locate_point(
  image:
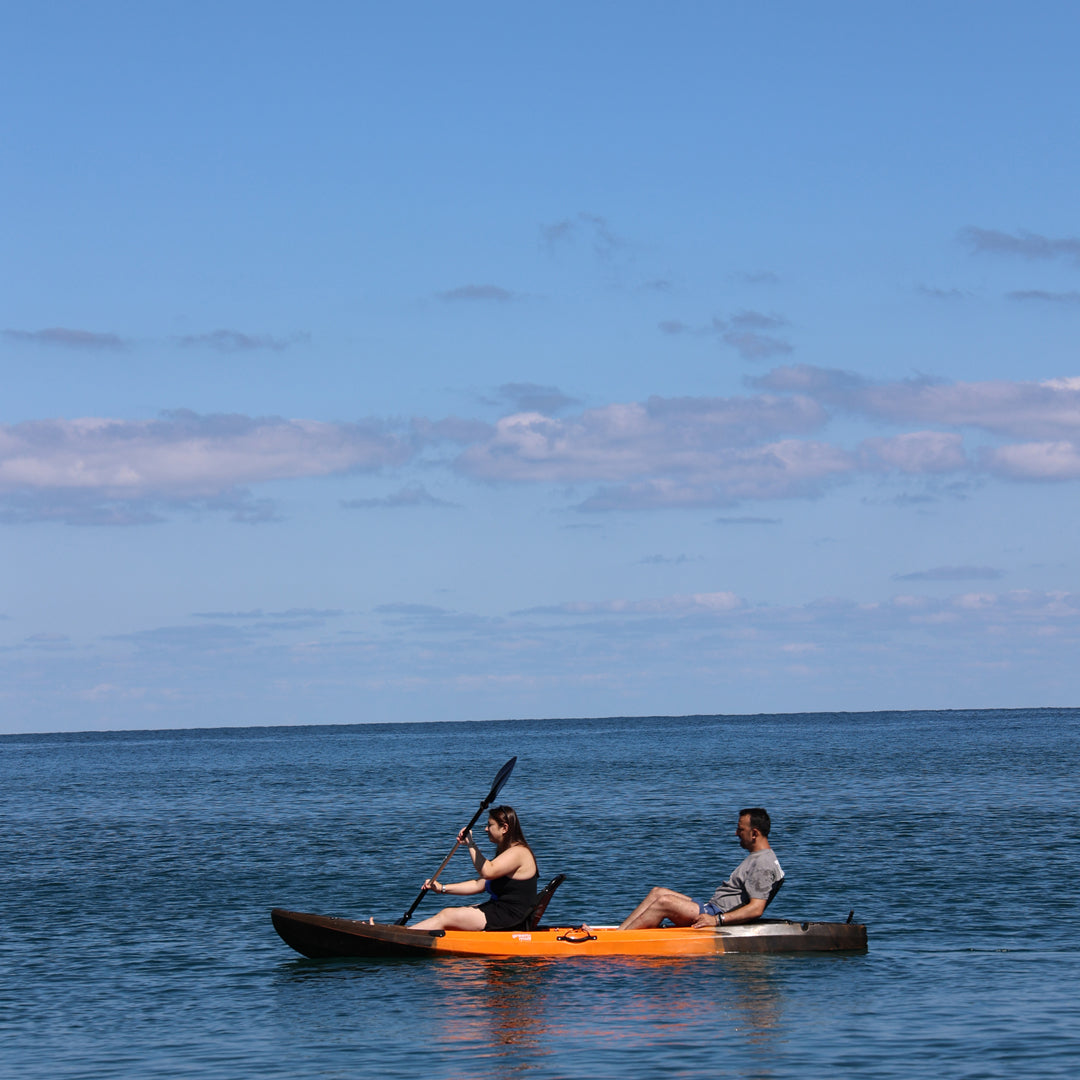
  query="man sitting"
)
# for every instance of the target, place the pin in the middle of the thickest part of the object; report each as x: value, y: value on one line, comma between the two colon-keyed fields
x: 742, y: 898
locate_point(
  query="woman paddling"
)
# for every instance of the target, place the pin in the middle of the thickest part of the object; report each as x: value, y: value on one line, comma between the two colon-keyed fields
x: 510, y: 878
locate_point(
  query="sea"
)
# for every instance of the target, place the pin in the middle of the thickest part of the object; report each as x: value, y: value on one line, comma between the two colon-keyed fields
x: 138, y: 870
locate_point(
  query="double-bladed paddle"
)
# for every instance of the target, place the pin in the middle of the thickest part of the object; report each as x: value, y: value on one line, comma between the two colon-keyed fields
x: 500, y: 779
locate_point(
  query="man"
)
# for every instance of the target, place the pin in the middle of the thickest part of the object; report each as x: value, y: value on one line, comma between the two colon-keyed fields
x: 742, y: 898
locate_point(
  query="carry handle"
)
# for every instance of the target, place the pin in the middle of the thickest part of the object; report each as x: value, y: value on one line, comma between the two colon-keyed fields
x: 576, y: 937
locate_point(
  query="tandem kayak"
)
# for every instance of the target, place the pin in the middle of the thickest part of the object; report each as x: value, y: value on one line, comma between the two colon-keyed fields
x: 323, y: 936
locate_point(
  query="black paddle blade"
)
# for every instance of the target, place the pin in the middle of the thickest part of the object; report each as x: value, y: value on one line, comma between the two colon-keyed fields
x: 500, y: 779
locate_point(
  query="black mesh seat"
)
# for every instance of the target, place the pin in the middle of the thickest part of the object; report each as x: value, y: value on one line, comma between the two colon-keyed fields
x: 542, y: 901
x: 773, y: 891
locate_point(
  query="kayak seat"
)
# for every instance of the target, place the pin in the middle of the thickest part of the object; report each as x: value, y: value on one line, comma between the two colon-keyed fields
x: 542, y: 901
x: 773, y: 891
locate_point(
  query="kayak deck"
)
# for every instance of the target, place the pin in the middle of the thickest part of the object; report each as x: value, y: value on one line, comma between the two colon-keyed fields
x: 324, y: 936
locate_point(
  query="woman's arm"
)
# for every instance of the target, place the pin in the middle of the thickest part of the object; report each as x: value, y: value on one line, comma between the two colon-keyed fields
x: 505, y: 865
x: 477, y: 856
x: 456, y: 888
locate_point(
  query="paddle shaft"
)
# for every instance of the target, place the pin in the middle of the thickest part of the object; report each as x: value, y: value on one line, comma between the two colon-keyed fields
x: 500, y: 779
x: 424, y: 891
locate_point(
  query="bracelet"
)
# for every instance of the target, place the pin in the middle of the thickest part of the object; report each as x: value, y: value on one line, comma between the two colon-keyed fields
x: 719, y: 918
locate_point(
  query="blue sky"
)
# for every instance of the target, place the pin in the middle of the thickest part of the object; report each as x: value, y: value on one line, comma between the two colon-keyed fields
x: 371, y: 363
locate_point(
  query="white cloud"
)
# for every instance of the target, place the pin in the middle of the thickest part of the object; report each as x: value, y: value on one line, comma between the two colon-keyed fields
x: 1019, y: 409
x: 673, y: 445
x: 916, y: 452
x: 412, y: 496
x: 593, y: 228
x: 183, y: 454
x: 691, y: 604
x: 1027, y: 245
x: 779, y: 470
x: 744, y: 332
x: 952, y: 573
x: 974, y: 614
x: 910, y: 650
x: 231, y: 341
x: 975, y: 601
x: 68, y: 338
x: 479, y: 292
x: 751, y: 345
x: 756, y: 320
x: 671, y: 452
x: 659, y: 453
x: 1034, y: 461
x: 1071, y: 297
x: 530, y: 397
x: 95, y: 471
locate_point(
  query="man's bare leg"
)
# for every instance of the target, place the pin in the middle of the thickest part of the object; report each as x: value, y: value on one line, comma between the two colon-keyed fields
x: 659, y: 905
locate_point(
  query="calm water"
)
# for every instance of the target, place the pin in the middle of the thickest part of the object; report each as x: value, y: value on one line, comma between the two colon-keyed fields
x: 139, y: 869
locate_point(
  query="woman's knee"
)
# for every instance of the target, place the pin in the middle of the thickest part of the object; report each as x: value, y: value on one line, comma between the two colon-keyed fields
x: 461, y: 918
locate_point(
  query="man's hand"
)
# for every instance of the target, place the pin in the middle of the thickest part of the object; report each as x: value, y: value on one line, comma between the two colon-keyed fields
x: 749, y: 911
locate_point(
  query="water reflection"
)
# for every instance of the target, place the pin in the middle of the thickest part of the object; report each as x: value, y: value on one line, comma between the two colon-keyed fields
x: 504, y: 1004
x: 548, y: 1006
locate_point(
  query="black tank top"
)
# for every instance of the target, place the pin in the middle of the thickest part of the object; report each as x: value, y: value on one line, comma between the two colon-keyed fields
x: 519, y: 894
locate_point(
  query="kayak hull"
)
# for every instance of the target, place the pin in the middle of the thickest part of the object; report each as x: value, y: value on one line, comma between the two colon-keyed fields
x: 324, y: 936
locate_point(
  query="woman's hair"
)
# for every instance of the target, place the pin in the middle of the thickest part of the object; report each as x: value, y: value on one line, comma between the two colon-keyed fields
x: 507, y: 817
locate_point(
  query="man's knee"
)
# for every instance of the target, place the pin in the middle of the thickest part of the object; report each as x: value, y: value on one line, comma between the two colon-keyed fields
x: 661, y: 895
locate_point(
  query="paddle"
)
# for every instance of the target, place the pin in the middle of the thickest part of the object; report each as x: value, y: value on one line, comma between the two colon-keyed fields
x: 500, y: 779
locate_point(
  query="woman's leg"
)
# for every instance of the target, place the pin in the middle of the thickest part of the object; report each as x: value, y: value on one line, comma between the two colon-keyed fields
x: 454, y: 918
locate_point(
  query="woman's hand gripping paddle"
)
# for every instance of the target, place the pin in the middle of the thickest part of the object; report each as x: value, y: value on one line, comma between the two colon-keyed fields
x: 496, y: 787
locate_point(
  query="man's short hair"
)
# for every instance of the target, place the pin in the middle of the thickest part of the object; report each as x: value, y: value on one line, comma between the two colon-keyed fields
x: 759, y: 819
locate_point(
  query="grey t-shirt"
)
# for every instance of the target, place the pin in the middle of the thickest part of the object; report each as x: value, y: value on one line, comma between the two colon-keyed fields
x: 754, y: 878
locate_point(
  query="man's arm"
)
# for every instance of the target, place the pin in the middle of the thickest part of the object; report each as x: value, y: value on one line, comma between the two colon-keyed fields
x: 754, y: 909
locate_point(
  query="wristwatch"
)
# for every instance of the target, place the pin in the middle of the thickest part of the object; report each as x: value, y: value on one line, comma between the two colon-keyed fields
x: 719, y: 918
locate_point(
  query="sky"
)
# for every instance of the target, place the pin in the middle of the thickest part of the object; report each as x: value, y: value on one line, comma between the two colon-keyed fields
x: 376, y: 363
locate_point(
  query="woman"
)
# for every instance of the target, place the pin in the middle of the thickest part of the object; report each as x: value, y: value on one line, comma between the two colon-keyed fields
x: 510, y: 878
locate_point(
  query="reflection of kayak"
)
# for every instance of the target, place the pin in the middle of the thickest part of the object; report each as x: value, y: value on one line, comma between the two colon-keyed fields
x: 320, y: 936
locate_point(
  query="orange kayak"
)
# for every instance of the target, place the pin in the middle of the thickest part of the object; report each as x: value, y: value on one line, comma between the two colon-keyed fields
x: 321, y: 936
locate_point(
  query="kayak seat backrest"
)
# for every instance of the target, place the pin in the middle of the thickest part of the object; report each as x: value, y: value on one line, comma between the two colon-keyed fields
x: 773, y: 891
x: 542, y: 901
